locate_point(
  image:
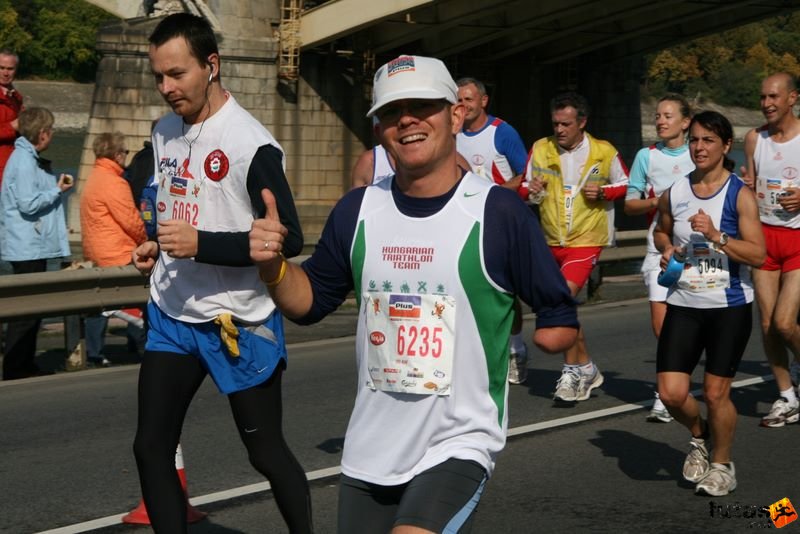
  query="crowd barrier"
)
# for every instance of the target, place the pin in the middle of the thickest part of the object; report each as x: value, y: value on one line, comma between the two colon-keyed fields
x: 95, y: 289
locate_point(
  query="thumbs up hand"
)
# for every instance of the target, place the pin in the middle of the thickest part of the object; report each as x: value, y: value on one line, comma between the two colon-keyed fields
x: 267, y: 235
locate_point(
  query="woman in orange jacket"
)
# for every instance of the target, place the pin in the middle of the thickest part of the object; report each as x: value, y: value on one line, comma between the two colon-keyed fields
x: 111, y: 226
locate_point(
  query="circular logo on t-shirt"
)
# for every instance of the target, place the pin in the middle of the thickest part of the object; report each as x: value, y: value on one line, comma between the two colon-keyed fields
x: 377, y: 338
x: 162, y: 207
x: 216, y: 165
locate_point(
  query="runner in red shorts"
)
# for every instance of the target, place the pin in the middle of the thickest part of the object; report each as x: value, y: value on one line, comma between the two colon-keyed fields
x: 575, y: 178
x: 773, y: 169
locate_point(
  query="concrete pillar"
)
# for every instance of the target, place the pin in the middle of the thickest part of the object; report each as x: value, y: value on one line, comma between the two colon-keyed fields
x: 315, y: 124
x: 124, y: 98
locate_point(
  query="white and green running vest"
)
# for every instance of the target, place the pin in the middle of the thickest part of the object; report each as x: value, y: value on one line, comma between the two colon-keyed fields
x: 432, y: 339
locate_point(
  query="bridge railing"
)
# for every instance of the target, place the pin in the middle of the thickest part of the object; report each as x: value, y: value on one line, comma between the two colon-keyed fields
x: 91, y: 290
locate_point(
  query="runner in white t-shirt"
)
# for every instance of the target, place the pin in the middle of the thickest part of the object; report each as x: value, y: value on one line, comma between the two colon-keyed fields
x: 654, y: 170
x: 495, y: 151
x: 435, y: 256
x: 773, y: 168
x: 712, y: 217
x: 209, y: 314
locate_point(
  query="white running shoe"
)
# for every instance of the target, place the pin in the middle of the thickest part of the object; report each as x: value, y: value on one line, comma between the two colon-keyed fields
x: 575, y: 386
x: 567, y: 385
x: 588, y: 383
x: 720, y: 480
x: 782, y: 413
x: 518, y: 366
x: 696, y: 464
x: 658, y: 413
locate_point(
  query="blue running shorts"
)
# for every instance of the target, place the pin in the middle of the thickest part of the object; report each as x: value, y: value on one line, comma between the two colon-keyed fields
x: 261, y: 348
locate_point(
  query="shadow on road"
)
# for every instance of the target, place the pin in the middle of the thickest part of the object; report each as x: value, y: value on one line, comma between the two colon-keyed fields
x: 640, y: 458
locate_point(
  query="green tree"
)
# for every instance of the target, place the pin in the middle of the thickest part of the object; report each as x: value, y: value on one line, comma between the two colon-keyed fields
x: 11, y: 33
x: 672, y: 72
x: 737, y: 84
x: 729, y: 66
x: 63, y: 34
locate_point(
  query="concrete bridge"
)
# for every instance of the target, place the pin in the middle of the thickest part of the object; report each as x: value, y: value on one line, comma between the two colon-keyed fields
x: 304, y: 67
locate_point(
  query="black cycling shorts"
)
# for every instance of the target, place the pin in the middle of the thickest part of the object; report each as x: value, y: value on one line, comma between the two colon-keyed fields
x: 722, y: 332
x: 442, y: 499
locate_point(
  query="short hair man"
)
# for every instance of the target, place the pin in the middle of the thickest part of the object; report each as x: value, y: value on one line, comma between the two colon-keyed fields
x: 580, y: 177
x: 435, y: 256
x: 772, y: 153
x: 495, y: 150
x: 208, y: 312
x: 492, y: 147
x: 10, y: 106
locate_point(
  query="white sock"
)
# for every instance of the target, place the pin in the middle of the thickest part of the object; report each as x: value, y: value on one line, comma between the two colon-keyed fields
x: 516, y: 344
x: 589, y: 369
x: 790, y: 396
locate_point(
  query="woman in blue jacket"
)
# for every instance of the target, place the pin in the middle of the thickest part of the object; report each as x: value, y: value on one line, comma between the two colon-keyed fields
x: 32, y: 226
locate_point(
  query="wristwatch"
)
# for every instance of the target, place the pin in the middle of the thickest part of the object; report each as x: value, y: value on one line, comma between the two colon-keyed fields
x: 723, y: 240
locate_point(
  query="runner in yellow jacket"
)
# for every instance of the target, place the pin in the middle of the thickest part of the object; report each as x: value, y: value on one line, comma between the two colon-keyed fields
x: 575, y: 178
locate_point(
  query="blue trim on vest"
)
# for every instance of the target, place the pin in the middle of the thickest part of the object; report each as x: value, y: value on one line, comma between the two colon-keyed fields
x: 490, y: 121
x: 729, y: 223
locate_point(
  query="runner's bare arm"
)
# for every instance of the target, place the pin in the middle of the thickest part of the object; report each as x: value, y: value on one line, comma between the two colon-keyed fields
x: 748, y: 172
x: 362, y: 171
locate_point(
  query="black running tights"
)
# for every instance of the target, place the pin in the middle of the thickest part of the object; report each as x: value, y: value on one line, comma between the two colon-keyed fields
x: 167, y: 383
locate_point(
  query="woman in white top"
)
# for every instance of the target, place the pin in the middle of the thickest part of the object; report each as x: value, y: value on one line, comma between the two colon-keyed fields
x: 712, y: 217
x: 654, y: 170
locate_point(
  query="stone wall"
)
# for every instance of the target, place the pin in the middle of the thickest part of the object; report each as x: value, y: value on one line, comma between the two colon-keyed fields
x: 124, y: 97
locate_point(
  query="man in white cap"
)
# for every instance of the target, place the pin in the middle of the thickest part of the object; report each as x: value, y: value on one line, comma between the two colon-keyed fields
x: 435, y: 278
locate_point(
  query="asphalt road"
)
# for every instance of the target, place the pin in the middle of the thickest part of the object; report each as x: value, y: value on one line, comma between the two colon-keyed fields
x: 65, y: 449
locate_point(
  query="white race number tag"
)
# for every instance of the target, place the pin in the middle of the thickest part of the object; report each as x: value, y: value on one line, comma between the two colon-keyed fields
x: 411, y: 342
x: 706, y: 269
x: 767, y: 191
x: 569, y: 200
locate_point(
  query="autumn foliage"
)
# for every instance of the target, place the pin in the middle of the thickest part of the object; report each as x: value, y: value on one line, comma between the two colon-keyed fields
x: 728, y: 67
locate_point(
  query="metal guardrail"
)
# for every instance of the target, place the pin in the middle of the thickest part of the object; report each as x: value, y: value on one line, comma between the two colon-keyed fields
x: 69, y: 292
x: 95, y: 289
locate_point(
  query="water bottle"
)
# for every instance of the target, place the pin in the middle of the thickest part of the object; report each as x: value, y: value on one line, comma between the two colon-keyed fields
x: 674, y: 269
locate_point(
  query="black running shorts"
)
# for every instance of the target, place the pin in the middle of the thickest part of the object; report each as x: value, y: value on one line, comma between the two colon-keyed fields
x: 441, y: 499
x: 722, y: 332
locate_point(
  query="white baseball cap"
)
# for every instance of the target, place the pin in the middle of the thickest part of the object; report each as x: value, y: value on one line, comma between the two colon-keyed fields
x: 412, y: 77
